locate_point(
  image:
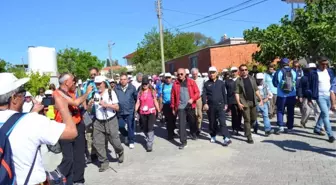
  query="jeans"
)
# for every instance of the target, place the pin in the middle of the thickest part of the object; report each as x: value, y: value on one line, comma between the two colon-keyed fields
x: 264, y: 111
x: 217, y: 112
x: 129, y: 120
x: 307, y: 110
x: 282, y: 103
x: 324, y: 104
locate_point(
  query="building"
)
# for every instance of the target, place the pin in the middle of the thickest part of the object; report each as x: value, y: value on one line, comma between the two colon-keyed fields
x: 221, y: 56
x: 106, y: 70
x: 129, y: 63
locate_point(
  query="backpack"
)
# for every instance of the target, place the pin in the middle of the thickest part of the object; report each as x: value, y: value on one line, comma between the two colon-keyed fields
x: 288, y: 81
x: 7, y: 171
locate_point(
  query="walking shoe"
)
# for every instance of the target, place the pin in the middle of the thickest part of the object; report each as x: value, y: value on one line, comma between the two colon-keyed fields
x: 255, y: 128
x: 121, y: 157
x: 331, y: 139
x: 131, y: 146
x: 289, y: 131
x: 267, y: 133
x: 193, y: 137
x: 149, y: 149
x: 280, y: 130
x: 213, y: 140
x: 320, y: 133
x: 104, y: 166
x: 182, y: 146
x: 227, y: 142
x: 235, y: 132
x: 250, y: 141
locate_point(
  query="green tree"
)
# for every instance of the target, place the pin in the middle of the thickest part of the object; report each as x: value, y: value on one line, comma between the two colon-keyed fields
x: 36, y: 81
x: 312, y: 33
x: 3, y: 66
x: 77, y: 62
x: 202, y: 41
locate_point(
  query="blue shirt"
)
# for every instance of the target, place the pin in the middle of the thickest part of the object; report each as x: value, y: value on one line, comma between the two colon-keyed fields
x: 166, y: 93
x: 158, y: 88
x: 280, y: 92
x: 333, y: 86
x: 268, y: 81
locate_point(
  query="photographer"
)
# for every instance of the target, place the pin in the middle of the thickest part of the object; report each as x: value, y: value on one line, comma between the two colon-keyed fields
x: 30, y: 131
x: 73, y: 162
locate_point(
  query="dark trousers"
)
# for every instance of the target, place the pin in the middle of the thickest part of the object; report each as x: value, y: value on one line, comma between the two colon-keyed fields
x: 237, y: 115
x: 289, y: 103
x: 73, y: 162
x: 250, y: 118
x: 170, y: 118
x: 214, y: 113
x: 147, y: 122
x: 184, y: 115
x: 129, y: 120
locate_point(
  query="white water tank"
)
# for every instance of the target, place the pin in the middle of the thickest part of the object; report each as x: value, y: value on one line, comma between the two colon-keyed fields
x: 42, y: 59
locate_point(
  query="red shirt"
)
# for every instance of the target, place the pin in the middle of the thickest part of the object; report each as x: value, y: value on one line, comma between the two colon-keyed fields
x: 175, y: 93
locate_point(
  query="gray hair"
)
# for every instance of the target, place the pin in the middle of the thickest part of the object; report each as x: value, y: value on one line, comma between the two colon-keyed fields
x: 139, y: 74
x: 4, y: 98
x: 194, y: 70
x: 63, y: 77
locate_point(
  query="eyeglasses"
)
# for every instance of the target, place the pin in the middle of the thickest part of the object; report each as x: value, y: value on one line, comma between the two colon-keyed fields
x: 243, y: 70
x: 180, y: 74
x: 234, y: 71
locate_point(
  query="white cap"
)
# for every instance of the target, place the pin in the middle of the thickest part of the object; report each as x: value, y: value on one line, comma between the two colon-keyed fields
x: 129, y: 76
x: 173, y: 77
x: 260, y: 76
x: 311, y: 65
x: 168, y: 75
x: 234, y: 69
x: 48, y: 92
x: 225, y: 70
x: 187, y: 71
x: 99, y: 79
x: 205, y: 74
x: 9, y: 82
x: 161, y: 75
x: 79, y: 82
x: 212, y: 69
x: 28, y: 94
x: 111, y: 80
x: 149, y: 77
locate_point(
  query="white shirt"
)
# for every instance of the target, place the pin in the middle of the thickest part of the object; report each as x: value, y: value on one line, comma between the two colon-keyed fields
x: 105, y: 113
x: 136, y: 84
x: 39, y: 98
x: 200, y: 83
x: 27, y: 106
x: 324, y: 83
x: 31, y: 131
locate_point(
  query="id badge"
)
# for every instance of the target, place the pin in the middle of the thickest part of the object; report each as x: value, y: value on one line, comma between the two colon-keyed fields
x: 145, y: 108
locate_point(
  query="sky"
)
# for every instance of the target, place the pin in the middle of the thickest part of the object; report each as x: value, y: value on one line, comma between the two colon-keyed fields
x: 89, y: 25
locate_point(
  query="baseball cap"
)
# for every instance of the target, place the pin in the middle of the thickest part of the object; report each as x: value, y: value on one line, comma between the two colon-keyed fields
x: 28, y: 94
x: 145, y: 79
x: 167, y: 75
x: 311, y: 65
x: 260, y: 76
x: 187, y: 71
x: 99, y: 79
x: 234, y: 69
x: 225, y: 70
x: 212, y: 69
x: 284, y: 60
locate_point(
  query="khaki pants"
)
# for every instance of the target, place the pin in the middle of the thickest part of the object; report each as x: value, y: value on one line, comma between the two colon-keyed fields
x: 199, y: 113
x: 250, y: 118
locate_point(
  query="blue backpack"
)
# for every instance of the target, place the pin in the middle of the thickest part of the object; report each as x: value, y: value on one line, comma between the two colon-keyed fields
x: 7, y: 171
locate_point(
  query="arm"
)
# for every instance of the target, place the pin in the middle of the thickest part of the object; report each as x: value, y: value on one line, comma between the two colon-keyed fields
x: 156, y: 104
x: 224, y: 93
x: 259, y: 96
x: 197, y: 94
x: 137, y: 105
x: 172, y: 102
x: 204, y: 99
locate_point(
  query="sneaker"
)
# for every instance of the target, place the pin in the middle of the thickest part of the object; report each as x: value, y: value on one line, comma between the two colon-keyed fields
x: 213, y: 140
x: 331, y: 139
x: 289, y: 131
x: 149, y: 149
x: 104, y: 166
x: 320, y: 133
x: 227, y: 142
x: 268, y: 133
x: 121, y: 157
x: 250, y: 141
x: 131, y: 146
x: 182, y: 146
x: 280, y: 130
x: 193, y: 137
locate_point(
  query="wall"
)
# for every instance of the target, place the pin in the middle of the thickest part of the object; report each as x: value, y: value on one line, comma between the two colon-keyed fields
x: 233, y: 55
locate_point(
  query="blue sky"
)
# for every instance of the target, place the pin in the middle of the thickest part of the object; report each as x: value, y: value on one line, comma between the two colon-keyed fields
x: 89, y: 25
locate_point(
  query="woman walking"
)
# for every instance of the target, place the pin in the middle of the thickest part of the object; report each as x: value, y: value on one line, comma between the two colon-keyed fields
x: 148, y: 107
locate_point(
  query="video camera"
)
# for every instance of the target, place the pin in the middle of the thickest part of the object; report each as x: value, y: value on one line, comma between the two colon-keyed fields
x: 48, y: 100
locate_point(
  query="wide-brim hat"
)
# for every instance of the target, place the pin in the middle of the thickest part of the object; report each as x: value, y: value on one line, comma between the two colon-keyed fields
x: 9, y: 82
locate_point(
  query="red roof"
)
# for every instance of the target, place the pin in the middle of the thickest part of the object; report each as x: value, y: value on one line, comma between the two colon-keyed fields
x: 129, y: 56
x: 113, y: 68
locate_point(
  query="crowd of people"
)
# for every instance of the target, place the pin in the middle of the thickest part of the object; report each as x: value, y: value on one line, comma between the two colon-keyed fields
x: 85, y: 116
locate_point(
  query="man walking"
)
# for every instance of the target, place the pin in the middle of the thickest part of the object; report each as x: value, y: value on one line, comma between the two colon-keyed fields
x: 236, y: 113
x: 127, y: 96
x: 166, y: 106
x: 215, y: 103
x: 138, y: 81
x: 200, y: 83
x: 247, y: 93
x: 268, y: 78
x: 285, y: 81
x: 184, y: 95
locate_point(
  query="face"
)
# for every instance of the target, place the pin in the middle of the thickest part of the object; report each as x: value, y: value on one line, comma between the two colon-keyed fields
x: 101, y: 86
x: 28, y: 99
x: 145, y: 86
x: 112, y: 84
x: 41, y: 91
x: 271, y: 70
x: 296, y: 65
x: 323, y: 65
x: 70, y: 83
x: 93, y: 74
x: 168, y: 80
x: 234, y: 73
x: 123, y: 80
x: 181, y: 74
x: 194, y: 74
x: 243, y: 71
x: 139, y: 78
x: 212, y: 75
x: 17, y: 101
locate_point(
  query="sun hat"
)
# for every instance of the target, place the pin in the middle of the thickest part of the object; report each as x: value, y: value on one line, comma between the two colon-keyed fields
x: 9, y: 82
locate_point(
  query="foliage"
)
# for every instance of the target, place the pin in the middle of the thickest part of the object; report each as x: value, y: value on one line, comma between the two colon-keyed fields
x: 77, y: 62
x: 36, y: 81
x: 312, y: 33
x: 3, y: 65
x: 147, y: 58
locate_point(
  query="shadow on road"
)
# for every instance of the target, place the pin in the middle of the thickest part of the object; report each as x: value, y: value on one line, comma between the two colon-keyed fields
x: 293, y: 146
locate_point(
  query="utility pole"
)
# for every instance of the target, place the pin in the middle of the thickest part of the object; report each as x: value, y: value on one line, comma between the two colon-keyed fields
x: 159, y: 15
x: 110, y: 56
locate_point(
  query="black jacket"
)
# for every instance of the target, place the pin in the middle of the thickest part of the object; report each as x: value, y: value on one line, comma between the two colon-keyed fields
x: 126, y: 99
x: 231, y: 91
x: 214, y: 93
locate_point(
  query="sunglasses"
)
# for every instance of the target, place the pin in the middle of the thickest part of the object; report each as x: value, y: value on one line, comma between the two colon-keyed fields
x: 234, y: 71
x: 243, y: 70
x: 180, y: 74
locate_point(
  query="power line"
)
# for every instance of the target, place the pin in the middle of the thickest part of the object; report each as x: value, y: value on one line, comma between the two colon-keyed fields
x: 237, y: 20
x: 208, y: 16
x: 223, y: 15
x: 167, y: 22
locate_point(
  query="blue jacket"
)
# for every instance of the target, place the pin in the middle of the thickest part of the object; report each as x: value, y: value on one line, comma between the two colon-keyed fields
x: 303, y: 86
x: 277, y: 79
x: 313, y: 91
x: 126, y: 99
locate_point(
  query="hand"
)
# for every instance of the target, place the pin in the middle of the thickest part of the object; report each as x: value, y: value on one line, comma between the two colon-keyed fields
x: 103, y: 104
x: 334, y: 107
x: 261, y: 103
x: 190, y: 101
x: 241, y: 106
x: 89, y: 89
x: 37, y: 107
x: 225, y: 107
x: 300, y: 99
x: 265, y: 100
x: 174, y: 112
x: 205, y: 107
